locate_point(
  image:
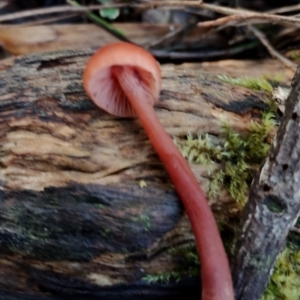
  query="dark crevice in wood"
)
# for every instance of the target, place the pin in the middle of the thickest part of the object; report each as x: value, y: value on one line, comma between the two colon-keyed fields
x: 266, y: 188
x: 294, y: 116
x: 45, y: 64
x: 64, y: 288
x: 274, y: 204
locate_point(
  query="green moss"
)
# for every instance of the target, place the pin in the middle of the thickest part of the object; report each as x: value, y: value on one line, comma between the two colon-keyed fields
x: 238, y: 156
x: 284, y: 284
x: 186, y: 259
x: 258, y: 84
x: 186, y: 265
x: 105, y: 232
x: 144, y: 221
x: 36, y: 226
x: 272, y: 105
x: 163, y: 277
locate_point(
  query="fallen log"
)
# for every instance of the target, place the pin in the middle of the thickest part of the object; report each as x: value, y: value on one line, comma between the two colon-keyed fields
x: 76, y: 217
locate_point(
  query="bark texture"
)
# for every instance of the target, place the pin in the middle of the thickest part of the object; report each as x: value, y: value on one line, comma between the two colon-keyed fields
x: 272, y: 208
x: 74, y: 220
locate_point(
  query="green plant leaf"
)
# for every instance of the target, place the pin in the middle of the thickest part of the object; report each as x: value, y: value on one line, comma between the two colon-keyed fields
x: 259, y: 84
x: 109, y: 13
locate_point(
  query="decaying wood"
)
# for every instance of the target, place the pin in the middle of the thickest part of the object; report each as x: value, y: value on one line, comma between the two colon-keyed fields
x: 273, y: 206
x: 74, y: 220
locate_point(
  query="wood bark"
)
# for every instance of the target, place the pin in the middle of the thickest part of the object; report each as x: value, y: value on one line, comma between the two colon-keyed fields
x: 74, y: 220
x: 273, y: 206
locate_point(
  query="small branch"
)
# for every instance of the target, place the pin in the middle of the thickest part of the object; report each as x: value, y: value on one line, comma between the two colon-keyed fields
x: 2, y: 5
x: 228, y: 20
x: 273, y: 52
x: 178, y: 33
x: 240, y: 15
x: 101, y: 22
x: 285, y: 9
x: 232, y: 20
x: 244, y: 14
x: 166, y: 37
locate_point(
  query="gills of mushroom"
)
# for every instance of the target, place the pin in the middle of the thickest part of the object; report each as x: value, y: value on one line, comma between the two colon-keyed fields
x: 124, y: 80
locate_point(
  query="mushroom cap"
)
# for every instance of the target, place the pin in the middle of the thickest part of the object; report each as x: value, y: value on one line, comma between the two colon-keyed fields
x: 102, y: 86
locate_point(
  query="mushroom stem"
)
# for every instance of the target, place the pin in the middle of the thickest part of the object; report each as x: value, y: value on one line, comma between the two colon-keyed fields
x: 215, y: 274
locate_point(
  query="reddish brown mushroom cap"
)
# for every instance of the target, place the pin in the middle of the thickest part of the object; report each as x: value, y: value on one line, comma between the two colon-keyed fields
x: 100, y: 76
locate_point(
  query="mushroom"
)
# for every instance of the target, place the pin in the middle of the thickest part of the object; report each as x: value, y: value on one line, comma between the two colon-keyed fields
x: 124, y: 80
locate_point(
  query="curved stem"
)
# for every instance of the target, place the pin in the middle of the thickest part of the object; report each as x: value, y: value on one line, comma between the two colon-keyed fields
x: 216, y: 275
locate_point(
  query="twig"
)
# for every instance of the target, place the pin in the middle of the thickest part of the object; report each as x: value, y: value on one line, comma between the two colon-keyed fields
x: 222, y: 21
x: 271, y: 49
x: 246, y: 14
x: 178, y: 33
x: 2, y: 5
x: 233, y: 20
x: 101, y: 22
x: 285, y: 9
x: 292, y: 21
x: 166, y: 37
x: 239, y: 15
